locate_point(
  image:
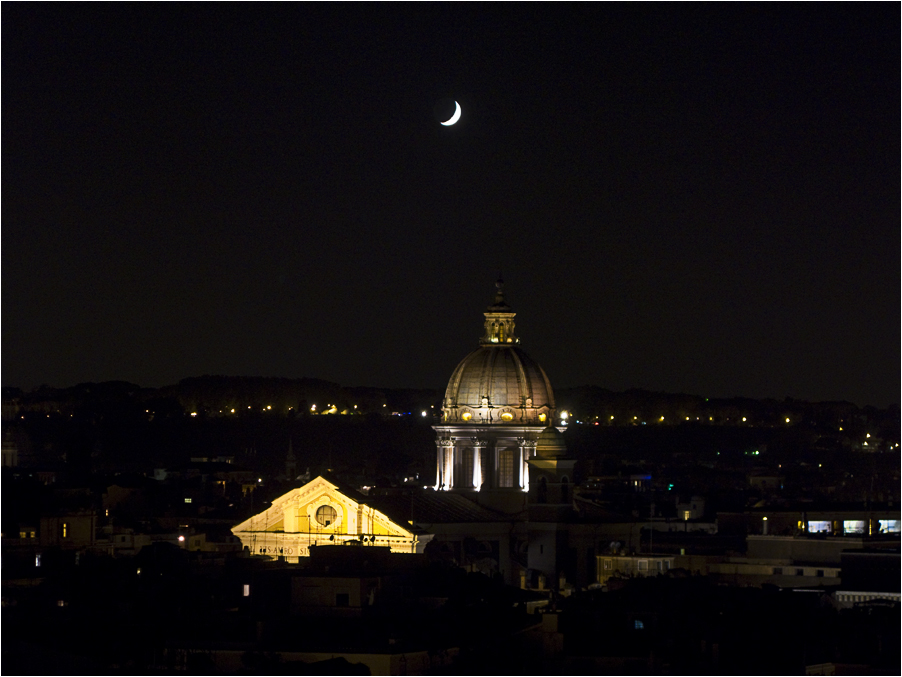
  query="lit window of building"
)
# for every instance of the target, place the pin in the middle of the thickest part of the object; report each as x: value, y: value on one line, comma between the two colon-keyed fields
x: 854, y: 526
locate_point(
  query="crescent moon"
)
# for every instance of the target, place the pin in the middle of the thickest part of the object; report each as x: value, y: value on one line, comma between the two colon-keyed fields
x: 454, y: 118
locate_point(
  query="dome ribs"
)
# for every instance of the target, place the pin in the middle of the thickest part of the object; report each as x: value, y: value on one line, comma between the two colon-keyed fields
x: 523, y: 379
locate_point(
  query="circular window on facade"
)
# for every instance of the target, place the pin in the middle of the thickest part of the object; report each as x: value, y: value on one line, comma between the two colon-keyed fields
x: 466, y: 416
x: 325, y: 515
x: 507, y: 416
x: 542, y: 417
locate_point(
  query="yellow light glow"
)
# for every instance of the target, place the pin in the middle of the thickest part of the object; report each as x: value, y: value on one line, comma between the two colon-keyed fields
x: 743, y: 418
x: 542, y: 417
x: 506, y: 416
x: 233, y: 411
x: 764, y: 518
x: 466, y: 416
x: 269, y: 406
x: 787, y: 419
x: 565, y: 415
x: 868, y: 435
x: 612, y: 418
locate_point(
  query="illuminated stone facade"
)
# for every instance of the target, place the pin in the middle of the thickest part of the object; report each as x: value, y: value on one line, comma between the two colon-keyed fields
x: 321, y: 513
x: 497, y: 402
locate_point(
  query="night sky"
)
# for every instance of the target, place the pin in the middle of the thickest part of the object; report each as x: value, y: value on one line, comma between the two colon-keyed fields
x: 685, y: 198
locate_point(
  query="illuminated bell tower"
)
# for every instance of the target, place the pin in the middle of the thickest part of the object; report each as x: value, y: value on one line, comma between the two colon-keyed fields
x: 497, y: 402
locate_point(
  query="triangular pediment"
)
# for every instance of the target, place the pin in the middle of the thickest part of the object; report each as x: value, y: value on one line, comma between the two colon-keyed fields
x: 320, y: 507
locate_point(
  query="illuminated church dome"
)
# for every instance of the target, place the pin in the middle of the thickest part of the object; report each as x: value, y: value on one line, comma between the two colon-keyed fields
x: 498, y: 383
x: 497, y: 403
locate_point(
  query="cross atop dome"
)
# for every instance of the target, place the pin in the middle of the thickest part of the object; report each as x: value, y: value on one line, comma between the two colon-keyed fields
x: 499, y: 321
x: 500, y: 305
